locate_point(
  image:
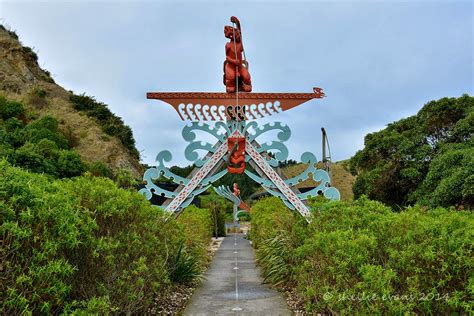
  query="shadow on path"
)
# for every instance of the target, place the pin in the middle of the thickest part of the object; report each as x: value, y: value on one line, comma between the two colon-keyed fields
x: 229, y: 291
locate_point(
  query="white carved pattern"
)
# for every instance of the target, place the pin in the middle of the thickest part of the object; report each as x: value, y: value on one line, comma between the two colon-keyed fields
x: 277, y: 180
x: 213, y: 112
x: 200, y: 175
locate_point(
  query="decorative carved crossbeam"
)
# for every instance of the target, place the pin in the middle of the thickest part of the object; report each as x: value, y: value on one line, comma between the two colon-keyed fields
x: 215, y: 106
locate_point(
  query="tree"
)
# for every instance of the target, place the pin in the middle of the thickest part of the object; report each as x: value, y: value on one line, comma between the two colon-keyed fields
x: 396, y: 160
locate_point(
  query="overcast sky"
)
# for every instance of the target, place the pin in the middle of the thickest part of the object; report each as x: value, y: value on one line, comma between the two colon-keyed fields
x: 377, y: 61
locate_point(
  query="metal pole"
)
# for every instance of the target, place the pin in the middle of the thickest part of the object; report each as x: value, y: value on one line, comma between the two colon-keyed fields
x: 324, y: 145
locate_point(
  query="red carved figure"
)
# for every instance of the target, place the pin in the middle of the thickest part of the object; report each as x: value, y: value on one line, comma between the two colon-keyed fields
x: 236, y: 160
x: 236, y: 190
x: 234, y: 65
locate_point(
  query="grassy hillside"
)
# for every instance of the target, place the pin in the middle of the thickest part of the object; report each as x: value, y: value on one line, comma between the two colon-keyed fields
x: 93, y: 131
x: 342, y: 179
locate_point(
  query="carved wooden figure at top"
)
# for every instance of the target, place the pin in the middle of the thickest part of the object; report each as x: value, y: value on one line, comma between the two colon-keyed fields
x: 234, y: 65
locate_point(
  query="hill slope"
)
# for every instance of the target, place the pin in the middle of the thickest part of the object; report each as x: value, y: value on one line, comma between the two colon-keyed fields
x: 23, y: 80
x: 341, y: 178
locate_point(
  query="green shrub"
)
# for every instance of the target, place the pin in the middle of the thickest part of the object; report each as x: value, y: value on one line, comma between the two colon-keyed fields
x: 184, y: 266
x: 270, y: 217
x: 110, y: 123
x: 38, y: 146
x: 30, y: 52
x: 197, y: 226
x: 9, y: 109
x: 39, y: 223
x: 276, y: 232
x: 125, y: 179
x: 245, y: 217
x: 363, y: 258
x: 46, y: 128
x: 100, y: 169
x: 69, y: 164
x: 218, y: 207
x: 450, y: 180
x: 82, y: 246
x: 401, y: 164
x: 127, y: 259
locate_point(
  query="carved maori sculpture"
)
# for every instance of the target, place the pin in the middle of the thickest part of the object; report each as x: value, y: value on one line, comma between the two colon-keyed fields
x: 236, y: 158
x: 236, y: 139
x: 234, y: 64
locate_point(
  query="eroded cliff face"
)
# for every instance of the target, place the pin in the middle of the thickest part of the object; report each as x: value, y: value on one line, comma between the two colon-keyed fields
x: 22, y: 79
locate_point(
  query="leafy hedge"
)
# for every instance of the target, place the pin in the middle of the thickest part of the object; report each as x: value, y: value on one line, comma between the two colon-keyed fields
x: 111, y: 124
x: 363, y: 258
x: 218, y: 207
x: 197, y: 226
x: 84, y: 245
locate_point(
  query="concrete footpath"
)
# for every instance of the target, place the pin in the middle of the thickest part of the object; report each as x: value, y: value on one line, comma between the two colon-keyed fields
x: 233, y: 285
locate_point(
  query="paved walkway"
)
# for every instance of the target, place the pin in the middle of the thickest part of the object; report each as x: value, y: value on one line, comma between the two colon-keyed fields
x: 230, y: 291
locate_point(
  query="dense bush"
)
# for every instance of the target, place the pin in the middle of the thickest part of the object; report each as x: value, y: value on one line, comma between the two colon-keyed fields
x: 9, y: 109
x: 110, y: 123
x: 244, y: 217
x: 100, y: 169
x: 402, y: 164
x: 275, y: 233
x: 86, y: 246
x: 450, y: 179
x: 197, y: 226
x: 38, y: 145
x: 218, y: 207
x: 362, y: 258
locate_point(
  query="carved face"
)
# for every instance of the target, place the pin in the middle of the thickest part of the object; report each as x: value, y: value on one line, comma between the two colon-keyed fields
x: 229, y: 32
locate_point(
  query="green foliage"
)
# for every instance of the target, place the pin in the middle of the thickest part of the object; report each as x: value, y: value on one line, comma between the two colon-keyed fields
x: 69, y: 164
x: 184, y: 266
x: 100, y: 169
x: 125, y: 179
x: 84, y: 246
x: 40, y: 92
x: 450, y: 179
x: 363, y: 258
x: 110, y: 123
x: 37, y: 98
x: 9, y: 109
x: 188, y: 262
x: 395, y: 163
x: 273, y: 257
x: 39, y: 223
x: 30, y: 52
x: 275, y: 233
x: 38, y: 146
x: 182, y: 172
x: 126, y: 259
x: 46, y: 128
x: 246, y: 185
x: 269, y: 219
x: 218, y: 207
x: 245, y: 217
x: 197, y: 227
